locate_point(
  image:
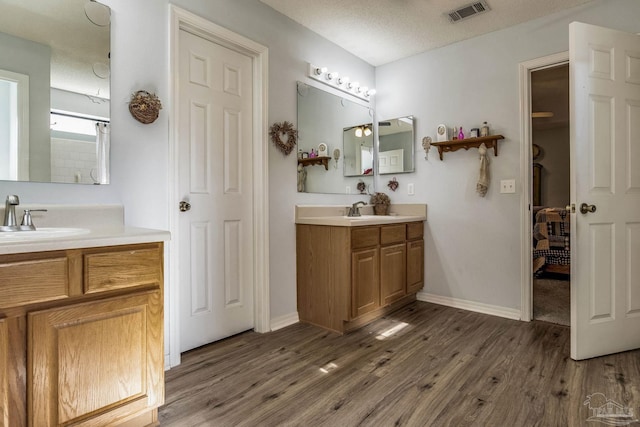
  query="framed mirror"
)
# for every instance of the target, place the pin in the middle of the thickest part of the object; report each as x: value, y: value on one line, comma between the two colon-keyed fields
x: 54, y: 91
x: 323, y: 119
x: 396, y: 145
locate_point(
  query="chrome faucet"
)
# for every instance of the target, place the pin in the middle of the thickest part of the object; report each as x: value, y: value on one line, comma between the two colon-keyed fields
x: 10, y: 211
x: 10, y: 222
x: 354, y: 210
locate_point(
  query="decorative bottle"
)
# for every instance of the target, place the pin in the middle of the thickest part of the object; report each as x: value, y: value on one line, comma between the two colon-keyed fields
x: 484, y: 130
x: 313, y: 154
x: 455, y: 133
x: 461, y: 134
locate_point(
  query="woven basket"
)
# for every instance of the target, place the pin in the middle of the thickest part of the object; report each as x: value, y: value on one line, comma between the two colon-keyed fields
x: 145, y: 107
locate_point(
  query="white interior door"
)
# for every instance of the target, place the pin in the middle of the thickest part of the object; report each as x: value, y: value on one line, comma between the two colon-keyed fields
x: 605, y: 163
x: 215, y: 174
x: 391, y: 161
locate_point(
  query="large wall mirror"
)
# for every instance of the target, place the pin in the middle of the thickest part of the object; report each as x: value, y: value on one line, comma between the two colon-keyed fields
x: 54, y: 91
x: 324, y: 118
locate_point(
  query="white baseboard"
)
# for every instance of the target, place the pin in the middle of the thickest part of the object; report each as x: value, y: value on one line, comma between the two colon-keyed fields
x: 284, y: 321
x: 494, y: 310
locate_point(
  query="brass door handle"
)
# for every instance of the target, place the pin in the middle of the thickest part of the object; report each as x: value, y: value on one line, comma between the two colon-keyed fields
x: 585, y: 208
x: 184, y: 206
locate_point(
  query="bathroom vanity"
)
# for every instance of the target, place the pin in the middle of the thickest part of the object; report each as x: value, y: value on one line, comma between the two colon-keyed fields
x: 352, y: 270
x: 81, y: 327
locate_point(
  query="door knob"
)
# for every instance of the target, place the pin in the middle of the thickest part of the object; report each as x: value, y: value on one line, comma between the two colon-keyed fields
x: 571, y: 208
x: 184, y: 206
x: 585, y: 208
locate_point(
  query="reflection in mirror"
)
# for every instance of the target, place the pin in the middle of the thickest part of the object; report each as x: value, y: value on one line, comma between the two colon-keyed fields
x: 358, y: 150
x: 396, y: 145
x: 54, y: 91
x: 322, y: 118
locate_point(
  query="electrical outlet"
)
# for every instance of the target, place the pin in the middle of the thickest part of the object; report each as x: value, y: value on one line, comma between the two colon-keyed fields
x: 508, y: 186
x: 410, y: 189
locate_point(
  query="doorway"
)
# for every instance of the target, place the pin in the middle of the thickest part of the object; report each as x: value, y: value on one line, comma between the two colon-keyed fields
x: 550, y: 194
x: 256, y: 208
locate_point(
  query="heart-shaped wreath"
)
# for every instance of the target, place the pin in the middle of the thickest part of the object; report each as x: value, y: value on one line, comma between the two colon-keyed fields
x: 285, y: 128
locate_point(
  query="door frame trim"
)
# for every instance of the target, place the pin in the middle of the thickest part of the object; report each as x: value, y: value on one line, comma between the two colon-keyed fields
x: 181, y: 19
x: 526, y: 223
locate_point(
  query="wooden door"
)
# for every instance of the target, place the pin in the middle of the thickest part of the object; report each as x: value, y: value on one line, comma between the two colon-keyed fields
x: 365, y: 283
x: 216, y: 179
x: 415, y: 266
x: 605, y: 174
x: 393, y: 273
x: 96, y: 363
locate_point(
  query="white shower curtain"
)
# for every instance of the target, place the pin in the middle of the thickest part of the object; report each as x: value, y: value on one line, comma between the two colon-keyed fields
x: 102, y: 151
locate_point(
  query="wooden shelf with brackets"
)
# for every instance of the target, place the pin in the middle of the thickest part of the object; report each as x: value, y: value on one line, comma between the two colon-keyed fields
x: 320, y: 160
x: 490, y: 141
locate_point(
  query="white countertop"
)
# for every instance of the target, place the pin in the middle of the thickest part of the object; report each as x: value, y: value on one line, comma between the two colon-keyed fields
x: 95, y: 237
x: 100, y: 225
x: 335, y: 215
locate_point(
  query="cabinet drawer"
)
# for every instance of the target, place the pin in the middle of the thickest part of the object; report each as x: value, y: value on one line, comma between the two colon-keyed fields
x: 122, y: 268
x: 415, y: 230
x: 30, y: 281
x: 363, y: 237
x: 392, y: 234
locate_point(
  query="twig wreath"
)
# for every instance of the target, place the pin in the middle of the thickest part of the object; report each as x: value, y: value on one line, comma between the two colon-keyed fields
x: 285, y: 128
x: 145, y: 106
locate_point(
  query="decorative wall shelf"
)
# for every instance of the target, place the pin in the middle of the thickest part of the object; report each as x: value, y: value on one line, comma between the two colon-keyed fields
x: 321, y: 160
x: 490, y: 141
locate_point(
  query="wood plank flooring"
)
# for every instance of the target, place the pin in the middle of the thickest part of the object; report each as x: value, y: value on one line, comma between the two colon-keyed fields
x: 424, y: 365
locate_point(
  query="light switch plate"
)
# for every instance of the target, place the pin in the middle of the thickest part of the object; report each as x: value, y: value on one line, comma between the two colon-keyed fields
x: 411, y: 189
x: 508, y: 186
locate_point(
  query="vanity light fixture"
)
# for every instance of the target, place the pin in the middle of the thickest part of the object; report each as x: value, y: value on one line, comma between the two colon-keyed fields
x: 333, y: 79
x: 318, y: 71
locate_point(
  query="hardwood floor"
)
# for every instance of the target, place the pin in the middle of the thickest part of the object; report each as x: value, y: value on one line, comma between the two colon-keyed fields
x: 424, y: 365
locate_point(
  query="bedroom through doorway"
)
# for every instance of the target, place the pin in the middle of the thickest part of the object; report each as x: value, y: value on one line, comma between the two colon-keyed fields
x: 550, y: 180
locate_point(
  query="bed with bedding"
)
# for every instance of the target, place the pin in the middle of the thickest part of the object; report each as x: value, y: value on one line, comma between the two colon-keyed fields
x: 551, y: 241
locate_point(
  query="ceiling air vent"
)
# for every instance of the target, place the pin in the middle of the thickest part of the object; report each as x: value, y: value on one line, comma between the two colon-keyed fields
x: 468, y: 11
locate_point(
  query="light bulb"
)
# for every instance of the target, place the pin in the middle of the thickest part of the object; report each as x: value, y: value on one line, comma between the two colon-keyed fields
x: 353, y: 85
x: 343, y: 80
x: 370, y: 92
x: 320, y: 70
x: 367, y: 131
x: 332, y: 75
x: 359, y: 132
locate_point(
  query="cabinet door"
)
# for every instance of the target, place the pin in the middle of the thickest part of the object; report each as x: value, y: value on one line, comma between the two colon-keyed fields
x: 96, y: 363
x: 4, y: 373
x: 365, y: 284
x: 393, y: 279
x: 415, y: 266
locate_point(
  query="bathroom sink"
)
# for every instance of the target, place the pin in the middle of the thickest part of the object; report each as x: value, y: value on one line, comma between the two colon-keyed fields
x: 372, y: 217
x: 41, y: 233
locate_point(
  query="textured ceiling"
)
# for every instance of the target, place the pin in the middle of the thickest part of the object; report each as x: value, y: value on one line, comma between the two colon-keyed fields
x: 382, y: 31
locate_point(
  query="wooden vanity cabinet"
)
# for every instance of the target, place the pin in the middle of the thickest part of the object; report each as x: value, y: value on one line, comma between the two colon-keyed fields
x: 87, y: 350
x: 349, y: 276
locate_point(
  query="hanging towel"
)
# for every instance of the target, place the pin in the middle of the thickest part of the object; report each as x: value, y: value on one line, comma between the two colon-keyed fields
x: 483, y: 180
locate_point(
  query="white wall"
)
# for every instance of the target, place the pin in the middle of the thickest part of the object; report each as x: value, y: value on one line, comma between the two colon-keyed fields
x: 139, y: 156
x: 473, y: 243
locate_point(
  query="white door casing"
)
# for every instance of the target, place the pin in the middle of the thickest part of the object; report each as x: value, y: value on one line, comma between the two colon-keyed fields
x: 526, y: 223
x: 605, y: 172
x: 257, y: 163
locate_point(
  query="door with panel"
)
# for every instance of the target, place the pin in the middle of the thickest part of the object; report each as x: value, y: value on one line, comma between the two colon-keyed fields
x: 393, y: 273
x: 215, y: 174
x: 605, y: 190
x: 365, y: 281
